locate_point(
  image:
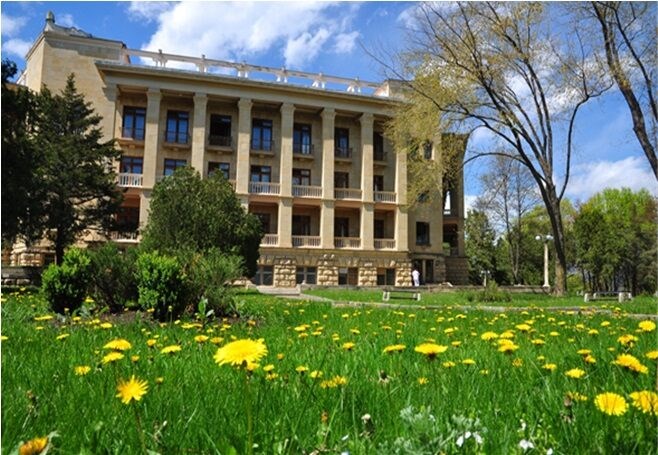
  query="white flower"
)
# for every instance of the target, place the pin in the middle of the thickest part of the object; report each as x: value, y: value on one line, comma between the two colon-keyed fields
x: 525, y: 445
x: 549, y: 452
x: 478, y: 438
x: 460, y: 441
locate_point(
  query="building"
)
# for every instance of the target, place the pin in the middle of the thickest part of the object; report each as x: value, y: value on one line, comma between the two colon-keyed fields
x: 305, y: 152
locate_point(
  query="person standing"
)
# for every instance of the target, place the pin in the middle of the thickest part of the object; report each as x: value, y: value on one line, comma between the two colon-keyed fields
x: 415, y: 275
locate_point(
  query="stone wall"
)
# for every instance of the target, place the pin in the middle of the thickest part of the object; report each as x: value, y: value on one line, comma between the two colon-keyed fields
x: 327, y: 270
x: 403, y: 274
x: 457, y: 269
x: 367, y: 274
x: 284, y: 273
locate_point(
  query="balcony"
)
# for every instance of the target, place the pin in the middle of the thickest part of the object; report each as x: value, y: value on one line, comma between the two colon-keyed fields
x: 179, y: 140
x: 347, y: 242
x: 224, y: 142
x: 385, y: 196
x: 384, y: 244
x: 264, y: 188
x: 270, y: 240
x: 125, y: 237
x: 347, y: 193
x: 306, y: 241
x: 262, y: 148
x: 130, y: 180
x: 307, y: 191
x: 304, y: 151
x: 343, y: 153
x: 380, y: 158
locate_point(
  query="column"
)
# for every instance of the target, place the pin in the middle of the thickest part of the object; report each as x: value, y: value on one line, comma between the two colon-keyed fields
x: 367, y: 226
x: 285, y: 163
x: 401, y: 217
x: 327, y: 224
x: 199, y: 133
x: 401, y: 228
x: 327, y: 210
x: 244, y: 146
x: 458, y: 198
x: 366, y: 157
x: 110, y: 122
x: 144, y: 206
x: 285, y: 222
x: 152, y: 137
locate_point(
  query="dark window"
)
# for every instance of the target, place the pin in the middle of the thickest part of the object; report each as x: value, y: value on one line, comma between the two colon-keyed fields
x: 171, y: 165
x: 427, y: 150
x: 301, y: 139
x: 422, y: 233
x: 178, y: 123
x: 261, y: 173
x: 349, y: 275
x: 127, y: 219
x: 342, y: 142
x: 341, y: 227
x: 378, y: 182
x: 264, y: 275
x: 429, y: 271
x: 131, y: 164
x: 224, y: 168
x: 264, y: 219
x: 385, y: 277
x: 301, y: 177
x: 378, y: 146
x: 261, y: 134
x: 220, y: 130
x: 134, y: 120
x: 341, y: 180
x: 379, y: 229
x: 301, y: 225
x: 306, y: 275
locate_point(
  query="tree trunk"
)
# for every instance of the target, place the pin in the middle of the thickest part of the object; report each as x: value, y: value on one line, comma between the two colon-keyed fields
x: 59, y: 249
x: 555, y: 216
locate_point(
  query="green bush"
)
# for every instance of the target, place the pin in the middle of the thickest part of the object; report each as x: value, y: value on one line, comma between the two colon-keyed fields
x: 162, y: 285
x: 113, y: 283
x: 65, y: 286
x: 490, y: 294
x: 210, y: 278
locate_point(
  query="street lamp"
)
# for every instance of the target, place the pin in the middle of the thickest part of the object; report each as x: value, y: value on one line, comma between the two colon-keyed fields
x: 485, y: 274
x: 545, y: 238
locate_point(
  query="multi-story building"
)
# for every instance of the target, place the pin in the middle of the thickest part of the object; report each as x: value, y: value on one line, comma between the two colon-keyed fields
x: 306, y: 153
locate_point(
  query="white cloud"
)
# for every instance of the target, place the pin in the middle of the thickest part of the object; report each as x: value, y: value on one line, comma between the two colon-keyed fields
x: 297, y: 31
x: 147, y: 11
x: 16, y: 46
x: 469, y: 200
x: 12, y: 25
x: 65, y: 20
x: 590, y: 178
x: 345, y: 42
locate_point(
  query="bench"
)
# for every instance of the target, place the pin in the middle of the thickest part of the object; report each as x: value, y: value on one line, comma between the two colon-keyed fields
x: 389, y: 293
x: 619, y: 296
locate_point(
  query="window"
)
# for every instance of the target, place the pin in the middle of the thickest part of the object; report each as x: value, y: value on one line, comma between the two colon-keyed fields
x: 220, y: 130
x: 261, y: 134
x: 134, y: 120
x: 178, y: 123
x: 379, y: 229
x: 306, y: 275
x: 341, y: 180
x: 378, y: 146
x: 131, y: 164
x: 264, y: 276
x: 171, y: 165
x: 341, y: 227
x: 348, y: 275
x: 127, y: 219
x: 261, y: 174
x: 301, y: 177
x: 301, y: 139
x: 342, y: 142
x: 422, y: 233
x: 427, y: 150
x: 301, y: 225
x: 385, y: 277
x: 264, y: 219
x: 429, y: 271
x: 378, y: 182
x: 224, y: 168
x: 447, y: 203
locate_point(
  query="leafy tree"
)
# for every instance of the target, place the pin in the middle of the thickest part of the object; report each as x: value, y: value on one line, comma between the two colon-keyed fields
x: 79, y: 184
x: 188, y: 213
x: 480, y: 238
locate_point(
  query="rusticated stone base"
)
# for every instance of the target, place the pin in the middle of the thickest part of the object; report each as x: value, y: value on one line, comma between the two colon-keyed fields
x: 367, y: 274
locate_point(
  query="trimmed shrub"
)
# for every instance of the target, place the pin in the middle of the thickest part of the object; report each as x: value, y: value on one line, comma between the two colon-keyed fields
x: 210, y: 277
x: 490, y: 294
x: 162, y: 285
x: 65, y: 285
x: 113, y: 282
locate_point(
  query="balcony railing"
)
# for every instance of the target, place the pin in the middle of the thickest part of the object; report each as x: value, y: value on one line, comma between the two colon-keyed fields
x: 343, y: 152
x: 270, y: 240
x: 347, y: 193
x: 302, y: 149
x: 384, y: 196
x: 131, y: 180
x: 347, y: 242
x: 379, y: 156
x: 136, y: 134
x: 177, y: 138
x: 131, y: 236
x: 306, y: 241
x: 262, y: 145
x: 220, y: 141
x: 263, y: 188
x: 384, y: 244
x: 306, y: 191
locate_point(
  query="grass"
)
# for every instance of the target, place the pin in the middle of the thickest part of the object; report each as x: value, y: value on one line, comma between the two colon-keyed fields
x: 200, y: 407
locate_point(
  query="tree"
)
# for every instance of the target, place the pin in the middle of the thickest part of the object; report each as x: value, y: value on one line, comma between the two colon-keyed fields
x: 77, y: 177
x: 191, y: 214
x: 480, y: 242
x: 502, y: 68
x: 628, y: 30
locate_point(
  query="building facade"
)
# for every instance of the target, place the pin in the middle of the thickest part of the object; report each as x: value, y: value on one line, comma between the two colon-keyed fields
x: 306, y: 153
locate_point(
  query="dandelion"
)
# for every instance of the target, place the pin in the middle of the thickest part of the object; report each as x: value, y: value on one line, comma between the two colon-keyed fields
x: 238, y: 352
x: 132, y: 389
x: 106, y: 325
x: 584, y: 351
x: 538, y: 342
x: 348, y: 346
x: 315, y: 374
x: 468, y: 362
x: 47, y: 317
x: 134, y: 358
x: 394, y: 348
x: 518, y: 363
x: 150, y: 343
x: 423, y: 380
x: 217, y: 340
x: 646, y: 401
x: 448, y: 364
x: 301, y: 369
x: 575, y: 396
x: 651, y: 355
x: 33, y: 446
x: 201, y: 338
x: 159, y: 380
x: 549, y: 367
x: 3, y: 338
x: 118, y: 345
x: 575, y: 373
x: 112, y: 357
x: 647, y: 326
x: 523, y: 327
x: 82, y: 370
x: 627, y: 340
x: 267, y: 368
x: 430, y: 350
x: 170, y: 349
x: 63, y: 336
x: 611, y: 403
x: 592, y: 332
x: 631, y: 363
x: 488, y: 336
x: 507, y: 348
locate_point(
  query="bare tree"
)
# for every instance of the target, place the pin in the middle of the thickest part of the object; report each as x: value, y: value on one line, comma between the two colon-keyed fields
x: 506, y: 68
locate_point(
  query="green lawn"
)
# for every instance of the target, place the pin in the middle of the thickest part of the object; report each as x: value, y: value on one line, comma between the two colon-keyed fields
x: 415, y: 404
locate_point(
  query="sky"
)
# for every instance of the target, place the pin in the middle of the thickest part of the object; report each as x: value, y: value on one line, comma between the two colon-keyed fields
x: 332, y: 38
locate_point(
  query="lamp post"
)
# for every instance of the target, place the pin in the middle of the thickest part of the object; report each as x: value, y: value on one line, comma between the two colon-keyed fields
x: 545, y: 238
x: 485, y: 274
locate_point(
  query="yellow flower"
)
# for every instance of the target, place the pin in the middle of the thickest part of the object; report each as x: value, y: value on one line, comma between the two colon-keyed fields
x: 216, y: 340
x: 394, y: 348
x: 3, y: 338
x: 170, y: 349
x: 106, y: 325
x: 159, y: 380
x: 201, y: 338
x: 334, y: 382
x: 150, y: 343
x: 47, y: 317
x: 538, y: 342
x: 456, y: 344
x: 508, y: 348
x: 118, y: 345
x: 134, y: 358
x: 280, y: 356
x: 605, y: 323
x: 631, y: 363
x: 647, y: 326
x: 575, y: 373
x: 592, y: 332
x: 575, y: 396
x: 315, y: 374
x: 133, y: 389
x: 423, y: 380
x: 487, y: 336
x: 112, y: 357
x: 430, y: 349
x: 448, y: 364
x: 82, y: 370
x: 267, y: 368
x: 627, y: 340
x: 33, y: 446
x: 468, y: 362
x: 301, y: 369
x: 651, y: 355
x: 549, y: 366
x: 240, y: 351
x: 646, y: 401
x: 518, y: 363
x: 348, y: 346
x: 63, y: 336
x: 590, y: 359
x: 523, y: 327
x: 611, y: 403
x: 584, y: 351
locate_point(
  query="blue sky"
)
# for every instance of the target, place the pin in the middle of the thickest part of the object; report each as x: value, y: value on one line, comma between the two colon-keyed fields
x: 317, y: 37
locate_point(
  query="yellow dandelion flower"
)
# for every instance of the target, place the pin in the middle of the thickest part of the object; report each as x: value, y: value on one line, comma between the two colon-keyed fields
x: 507, y: 348
x: 646, y: 401
x: 150, y: 343
x: 647, y: 326
x: 549, y: 366
x: 448, y: 364
x: 132, y: 389
x: 3, y: 338
x: 394, y: 348
x: 348, y: 346
x: 47, y: 317
x: 651, y: 355
x: 355, y: 331
x: 201, y: 338
x: 106, y: 325
x: 575, y: 373
x: 271, y: 376
x: 590, y: 358
x: 240, y: 351
x: 280, y: 356
x: 118, y: 345
x: 217, y: 340
x: 592, y: 332
x: 112, y: 357
x: 518, y: 363
x: 584, y: 351
x: 82, y: 370
x: 302, y: 335
x: 484, y: 372
x: 63, y: 336
x: 159, y: 380
x: 430, y: 350
x: 523, y: 327
x: 575, y: 396
x: 267, y: 368
x: 315, y: 374
x: 33, y: 446
x: 134, y: 358
x: 423, y: 380
x: 488, y: 336
x: 468, y: 362
x: 611, y: 403
x: 456, y: 344
x: 631, y: 363
x: 301, y: 369
x: 538, y: 342
x: 170, y: 349
x: 301, y: 328
x: 627, y: 340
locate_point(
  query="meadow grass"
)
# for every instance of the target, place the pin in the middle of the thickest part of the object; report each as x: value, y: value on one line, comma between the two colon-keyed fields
x: 194, y: 405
